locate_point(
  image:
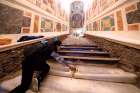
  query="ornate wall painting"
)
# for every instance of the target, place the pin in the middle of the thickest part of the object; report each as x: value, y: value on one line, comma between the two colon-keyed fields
x: 119, y: 20
x: 26, y: 24
x: 26, y: 21
x: 77, y: 15
x: 131, y: 8
x: 43, y: 28
x: 49, y: 25
x: 64, y: 28
x: 108, y: 24
x: 49, y: 3
x: 133, y: 17
x: 58, y: 27
x: 106, y: 3
x: 77, y: 21
x: 36, y: 24
x: 10, y: 24
x: 96, y: 26
x: 46, y: 25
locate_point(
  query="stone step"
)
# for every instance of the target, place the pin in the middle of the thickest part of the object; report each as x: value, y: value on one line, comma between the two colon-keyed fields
x: 80, y: 48
x: 105, y: 59
x: 83, y: 52
x: 56, y: 84
x: 100, y: 73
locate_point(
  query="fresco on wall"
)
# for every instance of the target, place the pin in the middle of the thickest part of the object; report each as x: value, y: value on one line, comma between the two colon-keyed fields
x: 50, y: 6
x: 133, y: 16
x: 26, y: 24
x: 77, y: 15
x: 119, y: 21
x: 64, y: 28
x: 36, y: 2
x: 48, y: 2
x: 108, y: 24
x: 11, y: 20
x: 49, y: 25
x: 43, y: 26
x: 96, y: 26
x: 106, y: 3
x: 46, y: 25
x: 58, y: 27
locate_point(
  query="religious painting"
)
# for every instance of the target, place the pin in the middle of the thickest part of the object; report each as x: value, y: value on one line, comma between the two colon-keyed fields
x: 133, y: 17
x: 77, y: 21
x: 106, y: 3
x: 64, y: 28
x: 11, y: 20
x: 58, y: 27
x: 107, y: 23
x: 49, y: 25
x: 131, y: 8
x: 43, y: 28
x: 77, y: 15
x: 46, y: 25
x: 49, y: 3
x: 96, y: 26
x: 26, y: 21
x: 119, y: 21
x: 36, y: 24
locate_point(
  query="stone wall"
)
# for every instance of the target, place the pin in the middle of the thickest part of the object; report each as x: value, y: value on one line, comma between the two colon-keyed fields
x: 129, y: 57
x: 10, y: 60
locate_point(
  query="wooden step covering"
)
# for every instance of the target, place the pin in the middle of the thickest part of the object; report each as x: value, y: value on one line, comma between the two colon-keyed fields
x: 91, y: 58
x: 77, y: 47
x: 84, y: 52
x: 81, y: 45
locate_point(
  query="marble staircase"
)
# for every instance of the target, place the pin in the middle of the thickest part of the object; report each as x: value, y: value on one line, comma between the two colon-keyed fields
x: 97, y: 72
x: 94, y: 70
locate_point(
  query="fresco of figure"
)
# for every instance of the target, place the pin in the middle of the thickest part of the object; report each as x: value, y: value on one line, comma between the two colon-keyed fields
x: 77, y: 14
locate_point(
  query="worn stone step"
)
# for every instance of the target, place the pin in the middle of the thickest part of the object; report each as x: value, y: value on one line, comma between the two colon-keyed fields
x: 56, y: 84
x: 106, y: 59
x: 100, y: 73
x: 83, y: 52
